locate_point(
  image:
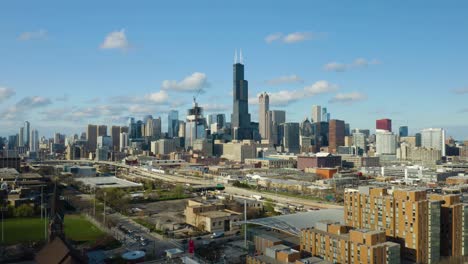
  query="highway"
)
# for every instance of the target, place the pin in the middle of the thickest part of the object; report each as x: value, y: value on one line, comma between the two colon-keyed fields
x: 140, y: 172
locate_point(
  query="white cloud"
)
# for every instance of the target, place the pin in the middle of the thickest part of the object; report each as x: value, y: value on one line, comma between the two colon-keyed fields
x: 31, y: 35
x: 6, y: 93
x: 357, y: 63
x: 290, y: 38
x: 273, y: 37
x: 297, y: 37
x: 194, y: 82
x: 335, y: 66
x: 116, y: 40
x: 159, y: 97
x: 320, y: 87
x: 348, y: 98
x: 456, y: 91
x: 285, y: 80
x: 285, y: 97
x: 26, y: 104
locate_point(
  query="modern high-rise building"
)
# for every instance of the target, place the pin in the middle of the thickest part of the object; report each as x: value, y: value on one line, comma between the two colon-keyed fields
x: 263, y: 108
x: 433, y: 138
x: 27, y: 133
x: 91, y: 137
x: 182, y: 129
x: 384, y: 124
x: 359, y: 142
x: 218, y: 119
x: 21, y: 137
x: 196, y: 124
x: 115, y: 134
x: 102, y: 130
x: 316, y: 113
x: 306, y: 128
x: 291, y: 137
x: 336, y: 134
x: 403, y: 131
x: 123, y: 143
x: 406, y: 215
x: 34, y: 141
x: 172, y: 123
x: 418, y: 139
x: 240, y: 118
x: 275, y: 118
x: 325, y: 115
x: 131, y: 127
x: 385, y: 142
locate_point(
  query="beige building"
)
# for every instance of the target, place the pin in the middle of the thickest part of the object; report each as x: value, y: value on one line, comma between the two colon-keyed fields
x: 211, y: 217
x: 239, y: 150
x: 337, y: 243
x: 406, y: 216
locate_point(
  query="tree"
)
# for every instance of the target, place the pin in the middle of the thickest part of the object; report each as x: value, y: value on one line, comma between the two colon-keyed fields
x: 179, y: 191
x: 24, y: 210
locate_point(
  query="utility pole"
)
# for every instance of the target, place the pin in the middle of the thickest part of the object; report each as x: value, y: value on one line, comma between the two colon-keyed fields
x: 94, y: 208
x: 42, y: 201
x: 104, y: 209
x: 245, y: 224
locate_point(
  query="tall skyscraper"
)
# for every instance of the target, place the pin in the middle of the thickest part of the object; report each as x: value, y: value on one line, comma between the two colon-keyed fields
x: 131, y: 127
x: 274, y: 119
x: 240, y: 118
x: 102, y: 130
x: 172, y: 123
x: 182, y: 129
x: 325, y: 115
x: 385, y: 142
x: 316, y: 113
x: 91, y: 137
x: 196, y: 124
x: 263, y: 108
x: 336, y: 134
x: 306, y: 128
x: 291, y: 137
x: 433, y: 138
x: 123, y: 143
x: 21, y: 137
x: 218, y: 119
x: 34, y: 141
x: 27, y: 133
x: 115, y: 134
x: 359, y: 142
x: 384, y: 124
x: 417, y: 139
x: 403, y: 131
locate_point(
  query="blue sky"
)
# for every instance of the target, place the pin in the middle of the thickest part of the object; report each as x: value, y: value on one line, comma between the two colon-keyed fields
x: 64, y: 64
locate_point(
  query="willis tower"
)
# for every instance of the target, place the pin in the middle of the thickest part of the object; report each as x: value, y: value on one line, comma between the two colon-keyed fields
x: 240, y: 118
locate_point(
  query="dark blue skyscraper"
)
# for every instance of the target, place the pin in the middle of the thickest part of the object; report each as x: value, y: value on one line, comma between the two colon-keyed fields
x: 403, y: 131
x: 240, y: 118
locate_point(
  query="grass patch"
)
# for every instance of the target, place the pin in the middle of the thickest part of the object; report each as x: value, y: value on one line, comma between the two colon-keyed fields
x: 23, y: 230
x: 78, y: 228
x: 19, y: 230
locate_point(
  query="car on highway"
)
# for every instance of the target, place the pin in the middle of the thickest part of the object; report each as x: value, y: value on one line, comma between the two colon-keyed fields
x: 217, y: 234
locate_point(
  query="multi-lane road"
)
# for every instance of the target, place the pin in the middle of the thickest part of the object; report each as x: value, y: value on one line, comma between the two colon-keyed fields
x: 136, y: 171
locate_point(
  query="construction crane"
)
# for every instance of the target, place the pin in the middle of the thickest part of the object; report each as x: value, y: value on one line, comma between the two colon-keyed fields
x: 198, y: 92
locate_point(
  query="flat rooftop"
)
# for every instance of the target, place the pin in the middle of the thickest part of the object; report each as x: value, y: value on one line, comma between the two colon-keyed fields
x: 107, y: 182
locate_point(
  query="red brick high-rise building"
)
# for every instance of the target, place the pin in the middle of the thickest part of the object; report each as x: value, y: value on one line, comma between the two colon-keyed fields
x: 336, y: 134
x: 384, y: 124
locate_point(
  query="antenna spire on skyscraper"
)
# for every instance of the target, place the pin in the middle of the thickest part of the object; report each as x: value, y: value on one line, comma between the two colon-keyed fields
x: 235, y: 56
x: 241, y: 60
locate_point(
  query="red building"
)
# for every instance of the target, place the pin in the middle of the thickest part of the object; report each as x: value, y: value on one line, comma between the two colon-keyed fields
x: 319, y: 160
x: 336, y: 134
x: 384, y: 124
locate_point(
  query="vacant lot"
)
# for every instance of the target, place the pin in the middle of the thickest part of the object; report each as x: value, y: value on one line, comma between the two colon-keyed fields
x: 77, y: 228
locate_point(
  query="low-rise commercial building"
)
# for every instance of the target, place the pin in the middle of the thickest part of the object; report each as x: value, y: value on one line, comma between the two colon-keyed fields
x: 211, y: 217
x: 318, y: 160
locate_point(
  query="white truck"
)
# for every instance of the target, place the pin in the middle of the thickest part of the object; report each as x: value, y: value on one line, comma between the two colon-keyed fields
x: 257, y: 197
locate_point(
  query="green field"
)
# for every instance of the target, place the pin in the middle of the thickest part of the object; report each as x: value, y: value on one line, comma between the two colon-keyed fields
x: 77, y: 228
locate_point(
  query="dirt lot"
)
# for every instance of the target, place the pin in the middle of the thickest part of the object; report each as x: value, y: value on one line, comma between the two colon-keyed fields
x: 166, y: 215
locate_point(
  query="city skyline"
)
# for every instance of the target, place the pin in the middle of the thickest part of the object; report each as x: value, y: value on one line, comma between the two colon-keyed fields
x: 110, y: 71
